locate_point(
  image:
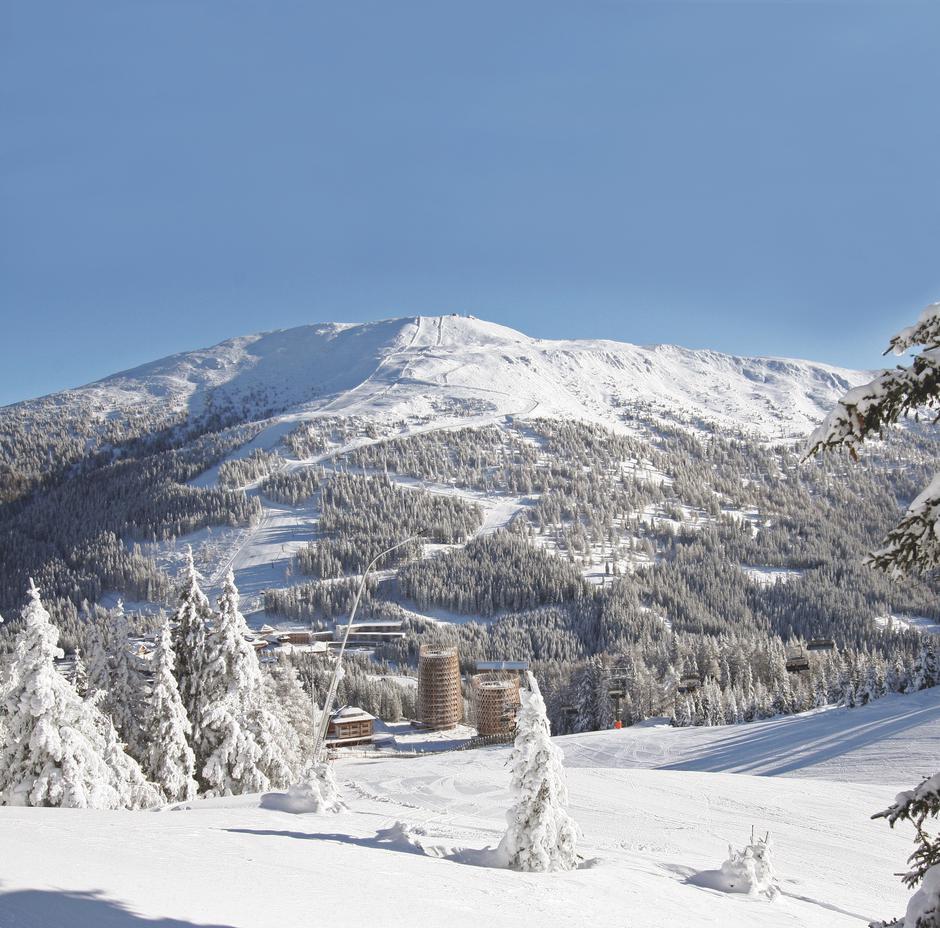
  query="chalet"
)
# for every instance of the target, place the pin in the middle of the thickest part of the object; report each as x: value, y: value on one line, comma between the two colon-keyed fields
x: 350, y: 726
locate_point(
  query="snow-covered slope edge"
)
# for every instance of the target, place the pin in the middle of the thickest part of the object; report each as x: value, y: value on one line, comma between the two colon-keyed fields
x: 421, y: 366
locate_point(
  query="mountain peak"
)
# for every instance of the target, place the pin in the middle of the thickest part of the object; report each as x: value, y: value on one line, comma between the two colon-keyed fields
x: 462, y: 366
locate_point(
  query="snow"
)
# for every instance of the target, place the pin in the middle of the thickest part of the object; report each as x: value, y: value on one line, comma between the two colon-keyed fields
x: 893, y: 740
x: 423, y: 374
x: 415, y: 837
x: 920, y: 622
x: 420, y: 366
x: 769, y: 576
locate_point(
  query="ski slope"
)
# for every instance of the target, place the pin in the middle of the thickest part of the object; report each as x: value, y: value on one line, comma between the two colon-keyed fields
x: 893, y: 740
x: 412, y: 849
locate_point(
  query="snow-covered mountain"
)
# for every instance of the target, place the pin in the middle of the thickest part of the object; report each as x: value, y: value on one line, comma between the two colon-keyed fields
x: 434, y: 366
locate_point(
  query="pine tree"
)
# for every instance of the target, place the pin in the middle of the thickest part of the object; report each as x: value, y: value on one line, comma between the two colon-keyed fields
x: 925, y: 673
x: 541, y: 836
x: 732, y: 713
x: 683, y: 712
x: 248, y: 746
x: 897, y: 679
x: 168, y: 760
x: 298, y: 708
x: 820, y: 695
x: 595, y: 710
x: 58, y: 749
x: 96, y: 658
x: 123, y: 701
x: 191, y: 652
x: 81, y: 675
x: 914, y: 544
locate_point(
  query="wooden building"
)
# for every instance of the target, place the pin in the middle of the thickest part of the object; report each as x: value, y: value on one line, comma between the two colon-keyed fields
x: 495, y: 703
x: 440, y: 700
x: 350, y: 726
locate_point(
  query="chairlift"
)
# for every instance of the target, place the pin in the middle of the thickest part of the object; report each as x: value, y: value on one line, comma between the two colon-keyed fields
x: 688, y: 684
x: 820, y: 644
x: 797, y: 660
x: 615, y: 694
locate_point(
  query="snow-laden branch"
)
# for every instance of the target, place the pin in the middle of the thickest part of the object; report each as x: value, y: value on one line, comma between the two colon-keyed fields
x: 914, y: 543
x: 868, y: 409
x: 925, y: 332
x: 916, y: 806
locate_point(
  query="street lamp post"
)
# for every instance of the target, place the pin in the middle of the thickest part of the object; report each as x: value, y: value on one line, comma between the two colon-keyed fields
x: 320, y: 741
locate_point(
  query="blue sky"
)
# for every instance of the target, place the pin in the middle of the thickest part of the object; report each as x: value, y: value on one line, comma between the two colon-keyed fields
x: 760, y: 178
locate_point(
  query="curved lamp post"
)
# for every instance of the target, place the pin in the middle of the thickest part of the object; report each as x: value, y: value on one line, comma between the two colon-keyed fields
x: 320, y: 741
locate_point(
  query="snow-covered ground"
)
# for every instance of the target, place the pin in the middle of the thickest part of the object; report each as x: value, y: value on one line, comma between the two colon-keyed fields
x: 647, y: 834
x: 922, y: 623
x: 768, y: 576
x: 428, y: 365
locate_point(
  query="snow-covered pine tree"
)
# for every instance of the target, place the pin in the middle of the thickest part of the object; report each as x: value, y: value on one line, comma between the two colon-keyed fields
x: 732, y: 713
x: 541, y: 836
x: 299, y: 709
x: 912, y: 545
x: 749, y: 707
x: 595, y: 710
x: 683, y: 714
x: 97, y: 663
x: 58, y: 749
x: 925, y: 673
x: 247, y: 745
x: 191, y: 650
x: 820, y: 695
x: 168, y: 760
x: 81, y: 675
x: 124, y: 700
x: 897, y: 679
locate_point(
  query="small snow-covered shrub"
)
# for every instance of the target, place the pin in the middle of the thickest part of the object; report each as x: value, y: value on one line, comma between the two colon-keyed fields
x: 317, y: 792
x: 750, y: 870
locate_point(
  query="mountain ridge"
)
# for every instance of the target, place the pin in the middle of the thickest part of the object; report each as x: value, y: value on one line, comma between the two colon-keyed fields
x: 411, y: 365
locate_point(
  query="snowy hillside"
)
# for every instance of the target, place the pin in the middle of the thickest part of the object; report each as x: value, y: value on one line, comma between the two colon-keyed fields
x: 414, y: 840
x: 461, y: 365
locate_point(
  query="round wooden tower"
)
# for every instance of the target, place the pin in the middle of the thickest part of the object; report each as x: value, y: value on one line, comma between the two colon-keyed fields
x: 440, y: 702
x: 495, y: 701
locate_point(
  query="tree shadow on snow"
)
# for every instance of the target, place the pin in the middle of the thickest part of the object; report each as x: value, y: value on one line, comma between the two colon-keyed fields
x: 50, y: 908
x: 397, y: 838
x: 773, y: 751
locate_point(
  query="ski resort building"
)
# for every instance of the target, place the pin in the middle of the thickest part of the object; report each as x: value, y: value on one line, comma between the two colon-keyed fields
x: 368, y: 632
x: 440, y: 701
x: 495, y: 702
x: 350, y: 726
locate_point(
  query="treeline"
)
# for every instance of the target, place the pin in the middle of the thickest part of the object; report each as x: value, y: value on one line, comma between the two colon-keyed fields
x: 323, y: 599
x: 492, y: 573
x: 362, y: 516
x: 237, y: 472
x: 292, y: 487
x: 68, y: 538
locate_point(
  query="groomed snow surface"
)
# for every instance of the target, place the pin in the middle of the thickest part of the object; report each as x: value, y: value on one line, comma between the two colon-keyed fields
x: 412, y: 849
